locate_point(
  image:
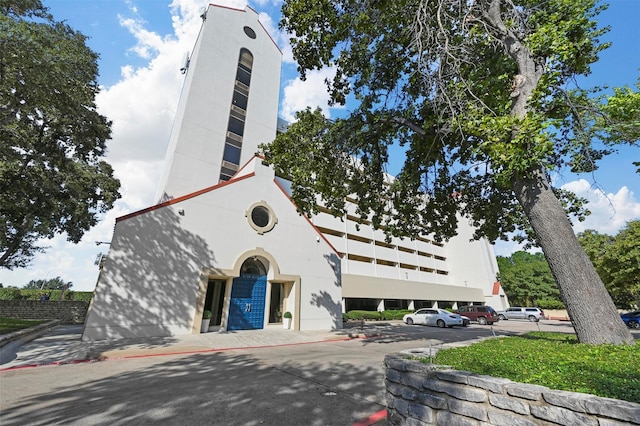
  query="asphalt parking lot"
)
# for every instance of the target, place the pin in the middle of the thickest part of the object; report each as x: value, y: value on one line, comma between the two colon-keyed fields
x: 330, y: 382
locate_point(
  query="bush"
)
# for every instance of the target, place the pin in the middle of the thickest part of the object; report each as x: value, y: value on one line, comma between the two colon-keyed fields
x: 389, y: 315
x: 366, y: 315
x: 554, y: 360
x: 550, y: 304
x: 394, y: 314
x: 34, y: 294
x: 10, y: 294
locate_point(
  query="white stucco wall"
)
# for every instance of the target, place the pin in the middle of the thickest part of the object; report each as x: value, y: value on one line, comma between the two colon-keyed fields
x: 197, y: 139
x: 149, y: 283
x: 473, y: 264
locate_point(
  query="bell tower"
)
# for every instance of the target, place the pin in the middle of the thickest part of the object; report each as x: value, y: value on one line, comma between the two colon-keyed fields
x: 228, y: 105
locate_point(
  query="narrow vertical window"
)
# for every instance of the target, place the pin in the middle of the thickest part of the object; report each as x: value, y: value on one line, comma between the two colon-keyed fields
x: 237, y: 116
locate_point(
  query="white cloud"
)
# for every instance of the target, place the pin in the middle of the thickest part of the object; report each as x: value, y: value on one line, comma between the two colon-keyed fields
x: 312, y: 92
x: 609, y: 212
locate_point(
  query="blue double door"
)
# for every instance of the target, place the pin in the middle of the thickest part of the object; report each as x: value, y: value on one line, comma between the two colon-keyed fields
x: 248, y: 298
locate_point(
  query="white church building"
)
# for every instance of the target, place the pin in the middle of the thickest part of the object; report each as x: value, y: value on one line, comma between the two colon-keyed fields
x: 225, y: 236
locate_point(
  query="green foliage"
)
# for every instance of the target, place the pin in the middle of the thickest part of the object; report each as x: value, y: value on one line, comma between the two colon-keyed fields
x: 617, y: 260
x: 437, y: 78
x: 56, y: 283
x: 10, y: 294
x: 394, y: 314
x: 550, y: 304
x: 482, y: 99
x: 391, y: 314
x: 357, y: 315
x: 526, y: 278
x: 53, y: 178
x: 553, y: 360
x: 33, y: 294
x: 9, y: 325
x: 207, y: 314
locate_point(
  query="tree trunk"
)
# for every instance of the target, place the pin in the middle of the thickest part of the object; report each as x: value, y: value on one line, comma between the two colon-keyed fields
x: 590, y: 307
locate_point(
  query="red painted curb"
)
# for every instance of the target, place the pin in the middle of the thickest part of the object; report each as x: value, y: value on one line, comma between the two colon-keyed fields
x: 372, y: 419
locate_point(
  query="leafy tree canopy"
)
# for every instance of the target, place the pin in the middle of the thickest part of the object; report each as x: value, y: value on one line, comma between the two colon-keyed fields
x: 56, y: 283
x: 526, y: 278
x: 53, y: 178
x: 617, y: 260
x: 481, y: 96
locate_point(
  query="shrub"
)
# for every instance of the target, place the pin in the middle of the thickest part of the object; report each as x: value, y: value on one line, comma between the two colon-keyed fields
x: 550, y: 304
x: 288, y: 314
x: 10, y: 294
x: 391, y: 314
x: 366, y: 315
x: 34, y: 294
x: 394, y: 314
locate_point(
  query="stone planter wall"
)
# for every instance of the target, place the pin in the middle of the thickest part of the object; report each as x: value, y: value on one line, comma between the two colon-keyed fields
x: 69, y: 312
x: 426, y: 394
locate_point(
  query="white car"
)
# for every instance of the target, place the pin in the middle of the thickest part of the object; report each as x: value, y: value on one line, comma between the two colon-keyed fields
x: 433, y: 316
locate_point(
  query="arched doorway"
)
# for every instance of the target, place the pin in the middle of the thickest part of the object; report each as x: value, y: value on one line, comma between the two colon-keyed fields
x: 248, y: 296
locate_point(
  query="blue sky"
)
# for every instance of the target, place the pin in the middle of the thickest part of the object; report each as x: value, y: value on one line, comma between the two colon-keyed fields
x: 141, y: 44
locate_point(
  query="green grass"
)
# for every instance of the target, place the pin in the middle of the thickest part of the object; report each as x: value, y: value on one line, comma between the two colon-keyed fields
x: 8, y: 325
x: 554, y: 360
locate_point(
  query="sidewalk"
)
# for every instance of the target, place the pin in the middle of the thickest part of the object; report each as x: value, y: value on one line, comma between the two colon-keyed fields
x: 62, y: 344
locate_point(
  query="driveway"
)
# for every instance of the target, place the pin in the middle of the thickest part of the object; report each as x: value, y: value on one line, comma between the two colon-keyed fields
x: 318, y: 383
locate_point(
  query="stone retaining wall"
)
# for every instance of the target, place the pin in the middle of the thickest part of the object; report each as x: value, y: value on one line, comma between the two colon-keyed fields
x: 69, y: 312
x: 427, y: 394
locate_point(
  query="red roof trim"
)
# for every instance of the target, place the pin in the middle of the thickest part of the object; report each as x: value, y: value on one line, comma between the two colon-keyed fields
x: 308, y: 220
x: 183, y: 198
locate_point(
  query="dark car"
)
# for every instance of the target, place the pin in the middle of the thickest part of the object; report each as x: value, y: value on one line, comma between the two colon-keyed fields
x: 479, y: 313
x: 632, y: 319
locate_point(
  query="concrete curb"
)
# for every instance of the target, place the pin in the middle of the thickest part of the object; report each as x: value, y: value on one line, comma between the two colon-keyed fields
x: 127, y: 353
x: 31, y: 331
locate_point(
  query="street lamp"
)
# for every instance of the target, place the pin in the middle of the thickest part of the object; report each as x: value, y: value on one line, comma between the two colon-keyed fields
x: 102, y: 242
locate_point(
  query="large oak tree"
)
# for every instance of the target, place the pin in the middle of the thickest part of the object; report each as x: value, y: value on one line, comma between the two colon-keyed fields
x: 480, y: 95
x: 53, y: 178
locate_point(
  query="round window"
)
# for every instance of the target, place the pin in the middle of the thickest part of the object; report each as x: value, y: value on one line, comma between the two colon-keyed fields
x: 249, y: 32
x: 261, y: 217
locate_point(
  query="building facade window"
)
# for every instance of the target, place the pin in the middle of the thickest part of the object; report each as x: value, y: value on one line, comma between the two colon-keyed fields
x: 261, y: 217
x: 237, y: 115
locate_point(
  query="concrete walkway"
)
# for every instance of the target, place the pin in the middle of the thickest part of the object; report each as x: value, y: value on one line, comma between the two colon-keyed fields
x: 61, y: 344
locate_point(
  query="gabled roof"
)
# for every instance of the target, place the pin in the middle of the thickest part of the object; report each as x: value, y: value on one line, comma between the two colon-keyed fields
x: 245, y: 172
x: 246, y: 9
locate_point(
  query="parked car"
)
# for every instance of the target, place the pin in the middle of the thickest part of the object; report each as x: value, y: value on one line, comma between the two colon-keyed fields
x: 465, y: 320
x: 433, y: 316
x: 632, y: 319
x: 516, y: 312
x: 479, y: 313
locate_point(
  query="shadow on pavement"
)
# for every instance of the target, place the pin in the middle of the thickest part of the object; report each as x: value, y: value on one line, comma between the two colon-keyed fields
x: 216, y: 388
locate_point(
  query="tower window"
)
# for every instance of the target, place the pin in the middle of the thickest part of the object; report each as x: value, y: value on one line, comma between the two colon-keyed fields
x: 237, y: 112
x: 231, y: 154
